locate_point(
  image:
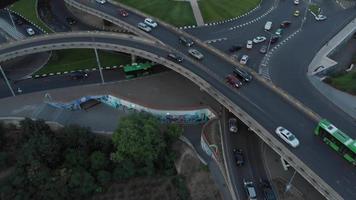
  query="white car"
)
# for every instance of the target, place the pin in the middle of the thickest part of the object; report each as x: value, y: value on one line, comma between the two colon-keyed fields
x: 144, y: 27
x: 287, y: 136
x: 150, y: 22
x: 259, y: 39
x: 30, y: 31
x: 244, y: 59
x: 101, y: 1
x: 320, y: 17
x: 249, y: 44
x: 196, y: 54
x: 296, y: 2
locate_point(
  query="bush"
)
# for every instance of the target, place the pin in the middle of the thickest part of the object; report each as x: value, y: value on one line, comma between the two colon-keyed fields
x: 179, y: 183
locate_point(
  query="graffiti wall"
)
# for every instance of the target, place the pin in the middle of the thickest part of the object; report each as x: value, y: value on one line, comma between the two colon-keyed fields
x: 165, y: 116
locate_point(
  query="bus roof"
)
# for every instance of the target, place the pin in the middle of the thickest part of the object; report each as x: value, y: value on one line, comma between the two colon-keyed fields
x: 137, y: 67
x: 338, y: 134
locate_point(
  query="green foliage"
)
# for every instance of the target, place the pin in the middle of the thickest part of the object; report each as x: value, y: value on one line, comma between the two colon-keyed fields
x: 98, y: 161
x: 30, y: 128
x: 183, y: 192
x: 75, y: 158
x: 104, y: 177
x: 173, y: 132
x: 125, y: 169
x: 4, y: 160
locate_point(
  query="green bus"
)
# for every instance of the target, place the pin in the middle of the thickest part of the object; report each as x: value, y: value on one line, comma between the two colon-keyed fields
x: 137, y: 69
x: 337, y: 140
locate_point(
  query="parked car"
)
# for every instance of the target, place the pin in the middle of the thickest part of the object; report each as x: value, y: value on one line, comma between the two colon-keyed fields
x: 267, y: 190
x: 30, y: 31
x: 285, y: 24
x: 279, y: 31
x: 144, y: 27
x: 78, y: 75
x: 287, y: 136
x: 196, y: 54
x: 175, y: 57
x: 296, y: 13
x: 239, y: 156
x: 123, y: 13
x: 320, y: 17
x: 296, y: 2
x: 18, y: 20
x: 235, y: 48
x: 268, y: 25
x: 259, y: 39
x: 244, y: 59
x: 250, y: 190
x: 101, y: 1
x: 233, y: 125
x: 242, y: 74
x: 249, y: 44
x: 71, y: 20
x: 274, y: 39
x: 187, y: 42
x: 233, y: 81
x: 150, y: 22
x: 263, y: 49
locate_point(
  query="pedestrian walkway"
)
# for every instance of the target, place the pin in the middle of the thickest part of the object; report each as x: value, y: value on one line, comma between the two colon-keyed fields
x: 196, y: 11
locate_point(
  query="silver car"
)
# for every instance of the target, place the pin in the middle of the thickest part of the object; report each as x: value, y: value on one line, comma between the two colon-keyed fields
x: 144, y: 27
x: 196, y: 54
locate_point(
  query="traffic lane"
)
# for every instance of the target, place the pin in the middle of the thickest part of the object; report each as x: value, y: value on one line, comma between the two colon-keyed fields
x: 289, y: 72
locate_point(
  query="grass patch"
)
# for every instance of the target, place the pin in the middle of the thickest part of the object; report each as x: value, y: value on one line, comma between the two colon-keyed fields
x: 76, y: 59
x: 345, y: 82
x: 28, y: 9
x: 216, y: 10
x: 177, y: 13
x: 314, y: 8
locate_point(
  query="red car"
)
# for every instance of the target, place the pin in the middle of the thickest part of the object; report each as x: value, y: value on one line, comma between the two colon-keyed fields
x: 233, y: 81
x: 123, y: 13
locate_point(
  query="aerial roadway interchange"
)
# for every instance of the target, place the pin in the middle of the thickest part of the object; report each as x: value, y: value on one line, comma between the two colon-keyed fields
x: 261, y: 102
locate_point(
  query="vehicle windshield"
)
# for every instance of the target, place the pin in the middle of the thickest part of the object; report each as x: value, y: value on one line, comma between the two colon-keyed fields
x: 291, y: 137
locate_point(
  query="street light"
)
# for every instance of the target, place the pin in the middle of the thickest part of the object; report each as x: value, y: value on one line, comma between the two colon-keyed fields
x: 289, y: 184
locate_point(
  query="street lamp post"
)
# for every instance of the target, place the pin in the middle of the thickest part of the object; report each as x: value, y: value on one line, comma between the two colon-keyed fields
x: 99, y: 65
x: 289, y: 184
x: 7, y: 81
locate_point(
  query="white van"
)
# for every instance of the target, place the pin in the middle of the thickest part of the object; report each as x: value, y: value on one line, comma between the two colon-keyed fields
x: 268, y: 25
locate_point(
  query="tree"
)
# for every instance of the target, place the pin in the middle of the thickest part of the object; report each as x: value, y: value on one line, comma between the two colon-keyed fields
x: 138, y: 138
x: 30, y: 128
x: 76, y: 137
x: 98, y: 161
x: 75, y: 158
x: 2, y: 135
x: 103, y: 177
x: 173, y: 132
x: 123, y: 170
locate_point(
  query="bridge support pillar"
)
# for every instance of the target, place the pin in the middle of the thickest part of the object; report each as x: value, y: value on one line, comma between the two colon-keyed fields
x: 133, y: 59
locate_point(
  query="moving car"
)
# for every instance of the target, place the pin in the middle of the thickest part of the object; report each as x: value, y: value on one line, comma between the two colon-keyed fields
x: 242, y: 74
x: 259, y: 39
x: 175, y: 57
x: 187, y: 42
x: 150, y: 22
x: 296, y: 2
x: 233, y: 81
x: 196, y: 54
x: 78, y: 75
x: 244, y: 59
x: 123, y: 13
x: 296, y: 13
x: 249, y: 44
x: 101, y: 1
x: 274, y: 39
x: 30, y: 31
x: 285, y: 24
x: 234, y: 48
x: 233, y: 125
x: 287, y: 136
x: 268, y: 25
x: 250, y: 190
x: 320, y: 17
x: 267, y: 190
x: 71, y: 20
x: 239, y: 156
x: 144, y: 27
x: 279, y: 31
x: 263, y: 49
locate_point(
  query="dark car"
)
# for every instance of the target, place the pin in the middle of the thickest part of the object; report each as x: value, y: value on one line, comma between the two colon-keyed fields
x: 241, y: 74
x: 285, y: 24
x: 175, y: 57
x: 233, y: 81
x: 18, y: 20
x: 263, y: 49
x: 71, y: 20
x: 123, y: 13
x: 239, y: 156
x: 233, y: 125
x: 235, y: 48
x: 187, y: 42
x: 78, y: 75
x: 267, y: 190
x: 250, y: 190
x: 274, y: 39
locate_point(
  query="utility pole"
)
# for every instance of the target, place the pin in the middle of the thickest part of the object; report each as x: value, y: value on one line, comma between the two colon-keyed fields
x: 289, y: 184
x: 7, y: 81
x: 99, y: 65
